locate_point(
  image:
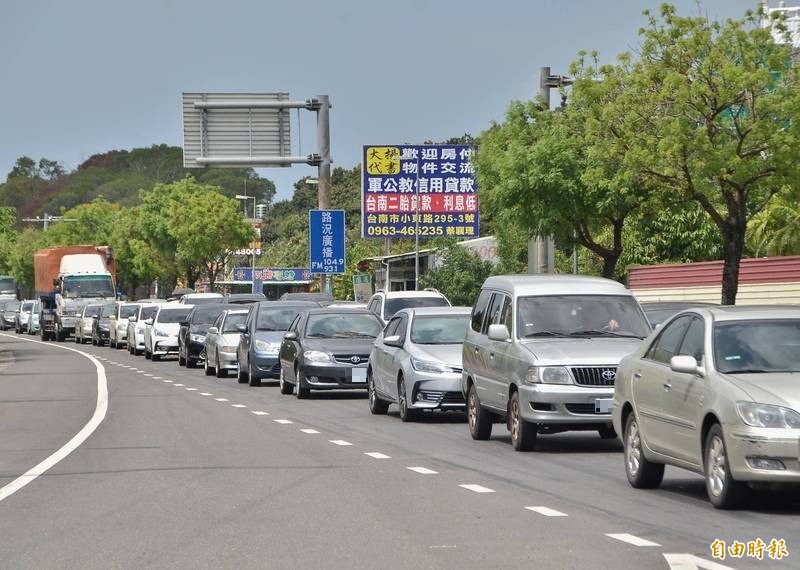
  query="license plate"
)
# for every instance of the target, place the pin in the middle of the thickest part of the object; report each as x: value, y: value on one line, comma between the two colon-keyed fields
x: 603, y: 405
x: 359, y: 375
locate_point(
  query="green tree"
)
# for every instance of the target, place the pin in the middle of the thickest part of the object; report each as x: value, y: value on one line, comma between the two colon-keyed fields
x: 24, y: 167
x: 459, y: 275
x: 93, y: 224
x: 710, y: 114
x: 776, y: 229
x: 8, y: 237
x: 21, y: 260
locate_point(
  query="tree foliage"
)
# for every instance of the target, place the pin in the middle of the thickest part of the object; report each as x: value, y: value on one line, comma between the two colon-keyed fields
x: 459, y: 275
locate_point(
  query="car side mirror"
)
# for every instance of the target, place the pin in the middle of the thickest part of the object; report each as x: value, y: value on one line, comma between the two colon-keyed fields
x: 290, y: 335
x: 132, y: 319
x: 149, y: 322
x: 685, y: 364
x: 213, y: 330
x: 393, y: 340
x: 241, y: 328
x: 96, y: 316
x: 498, y: 332
x: 184, y: 323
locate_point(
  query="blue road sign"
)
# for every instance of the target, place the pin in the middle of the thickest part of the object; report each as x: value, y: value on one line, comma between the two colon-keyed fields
x: 326, y: 241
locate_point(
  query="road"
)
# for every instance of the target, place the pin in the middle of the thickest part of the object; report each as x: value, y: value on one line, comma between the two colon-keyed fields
x: 187, y: 470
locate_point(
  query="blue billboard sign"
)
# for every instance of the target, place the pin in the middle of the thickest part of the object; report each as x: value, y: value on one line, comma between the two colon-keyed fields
x: 272, y: 274
x: 434, y: 182
x: 326, y: 241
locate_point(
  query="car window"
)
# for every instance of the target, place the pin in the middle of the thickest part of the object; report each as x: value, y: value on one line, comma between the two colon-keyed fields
x: 757, y: 346
x: 205, y: 315
x: 667, y: 343
x: 147, y: 313
x: 343, y: 325
x: 173, y: 315
x: 374, y: 305
x: 218, y: 322
x: 494, y: 314
x: 276, y: 319
x: 293, y: 326
x: 402, y: 326
x: 479, y: 309
x: 391, y: 328
x: 393, y: 305
x: 439, y: 329
x: 694, y: 341
x: 126, y: 311
x: 232, y: 321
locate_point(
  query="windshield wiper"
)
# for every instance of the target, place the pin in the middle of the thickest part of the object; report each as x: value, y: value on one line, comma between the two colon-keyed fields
x: 746, y: 371
x: 592, y: 332
x: 352, y: 334
x: 545, y: 333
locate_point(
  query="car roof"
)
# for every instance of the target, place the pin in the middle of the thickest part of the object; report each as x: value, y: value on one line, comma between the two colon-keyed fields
x: 406, y: 294
x: 339, y: 311
x: 278, y: 304
x: 236, y: 311
x: 524, y: 285
x: 750, y: 312
x: 437, y: 311
x: 675, y: 304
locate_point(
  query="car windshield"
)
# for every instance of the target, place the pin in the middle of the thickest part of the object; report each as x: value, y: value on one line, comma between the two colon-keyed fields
x: 757, y: 346
x: 232, y: 321
x: 27, y: 307
x: 439, y: 329
x: 394, y: 305
x: 7, y: 285
x: 202, y: 300
x: 343, y: 325
x: 147, y: 312
x: 11, y: 306
x: 206, y: 315
x: 92, y: 310
x: 88, y: 286
x: 107, y: 309
x: 658, y: 316
x: 276, y: 319
x: 580, y: 316
x: 173, y: 315
x: 127, y: 311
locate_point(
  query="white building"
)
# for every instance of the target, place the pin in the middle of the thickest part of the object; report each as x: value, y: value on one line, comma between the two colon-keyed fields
x: 791, y: 15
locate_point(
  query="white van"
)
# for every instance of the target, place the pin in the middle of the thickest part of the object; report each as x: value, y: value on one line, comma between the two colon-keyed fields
x: 542, y: 352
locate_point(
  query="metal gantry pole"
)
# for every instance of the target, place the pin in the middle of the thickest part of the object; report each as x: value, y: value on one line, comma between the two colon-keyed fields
x: 416, y: 231
x: 324, y: 167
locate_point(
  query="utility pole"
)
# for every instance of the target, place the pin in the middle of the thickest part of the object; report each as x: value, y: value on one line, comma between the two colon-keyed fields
x: 541, y: 249
x: 324, y: 167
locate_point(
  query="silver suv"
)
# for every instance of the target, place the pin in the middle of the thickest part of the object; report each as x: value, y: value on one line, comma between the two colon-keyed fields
x: 386, y: 303
x: 542, y: 352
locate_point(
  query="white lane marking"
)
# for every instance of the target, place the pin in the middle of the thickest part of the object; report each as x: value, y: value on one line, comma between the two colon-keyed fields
x: 100, y: 409
x: 631, y: 539
x: 283, y: 421
x: 259, y: 413
x: 221, y: 399
x: 377, y: 455
x: 140, y: 371
x: 167, y: 381
x: 423, y: 470
x: 546, y: 511
x: 206, y: 394
x: 238, y: 406
x: 685, y: 561
x: 309, y: 430
x: 179, y: 384
x: 156, y: 377
x: 477, y: 488
x: 191, y: 389
x: 149, y: 375
x: 339, y: 442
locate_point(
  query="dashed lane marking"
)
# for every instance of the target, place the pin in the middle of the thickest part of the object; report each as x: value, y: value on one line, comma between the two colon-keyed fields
x: 477, y: 488
x: 179, y: 384
x: 167, y: 381
x: 423, y: 470
x: 377, y: 455
x: 221, y: 399
x: 206, y: 394
x: 339, y: 442
x: 631, y: 539
x: 546, y: 511
x: 191, y: 389
x: 149, y: 375
x: 157, y: 377
x: 259, y: 413
x: 238, y: 406
x: 283, y: 421
x: 309, y: 430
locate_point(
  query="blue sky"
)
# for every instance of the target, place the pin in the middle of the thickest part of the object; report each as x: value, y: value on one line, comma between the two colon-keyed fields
x: 88, y: 76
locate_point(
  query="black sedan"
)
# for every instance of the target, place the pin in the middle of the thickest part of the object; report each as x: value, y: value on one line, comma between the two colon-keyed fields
x: 326, y: 349
x: 101, y: 324
x: 192, y: 334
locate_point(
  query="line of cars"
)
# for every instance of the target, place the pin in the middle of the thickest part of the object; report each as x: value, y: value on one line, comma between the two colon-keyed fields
x: 20, y: 316
x: 707, y: 388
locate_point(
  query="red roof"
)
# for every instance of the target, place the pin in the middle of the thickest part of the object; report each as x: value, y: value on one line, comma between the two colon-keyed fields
x: 758, y: 270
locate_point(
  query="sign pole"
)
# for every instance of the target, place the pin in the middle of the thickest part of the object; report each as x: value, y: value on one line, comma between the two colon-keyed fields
x: 416, y: 231
x: 324, y: 167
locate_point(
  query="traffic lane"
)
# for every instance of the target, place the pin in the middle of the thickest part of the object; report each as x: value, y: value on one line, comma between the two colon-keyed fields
x: 176, y: 478
x: 47, y: 395
x: 578, y: 470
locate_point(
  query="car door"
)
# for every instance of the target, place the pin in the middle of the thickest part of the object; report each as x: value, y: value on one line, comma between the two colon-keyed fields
x: 380, y: 371
x: 497, y: 360
x: 474, y: 352
x: 683, y: 399
x: 392, y: 356
x: 287, y: 355
x: 650, y: 378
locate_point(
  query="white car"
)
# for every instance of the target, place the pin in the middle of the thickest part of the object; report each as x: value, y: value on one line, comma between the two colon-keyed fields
x: 201, y: 298
x: 118, y: 324
x: 136, y: 327
x: 161, y: 330
x: 386, y: 303
x: 222, y: 341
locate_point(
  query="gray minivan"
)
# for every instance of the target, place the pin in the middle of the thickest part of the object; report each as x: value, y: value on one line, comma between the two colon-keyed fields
x: 542, y: 352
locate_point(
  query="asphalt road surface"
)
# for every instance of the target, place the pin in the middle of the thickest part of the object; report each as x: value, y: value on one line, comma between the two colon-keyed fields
x: 188, y: 471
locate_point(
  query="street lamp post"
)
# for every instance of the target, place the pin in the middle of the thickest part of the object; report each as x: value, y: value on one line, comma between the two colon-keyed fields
x: 244, y: 198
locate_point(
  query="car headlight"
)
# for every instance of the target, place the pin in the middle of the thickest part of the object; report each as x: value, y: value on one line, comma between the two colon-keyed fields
x: 159, y: 332
x: 317, y: 356
x: 270, y: 347
x: 228, y: 349
x: 198, y: 338
x: 428, y: 366
x: 548, y: 375
x: 764, y: 415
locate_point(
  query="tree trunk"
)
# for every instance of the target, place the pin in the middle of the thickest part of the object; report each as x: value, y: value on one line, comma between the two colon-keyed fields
x: 611, y: 257
x: 732, y: 247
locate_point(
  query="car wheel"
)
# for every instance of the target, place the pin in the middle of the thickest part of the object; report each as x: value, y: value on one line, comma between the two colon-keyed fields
x: 190, y: 362
x: 252, y: 376
x: 376, y: 405
x: 723, y: 491
x: 286, y: 387
x: 181, y: 359
x: 208, y: 369
x: 147, y: 354
x: 406, y: 414
x: 302, y: 392
x: 642, y: 473
x: 523, y: 433
x: 479, y: 420
x: 607, y: 432
x: 220, y: 371
x: 155, y: 357
x: 112, y: 343
x: 241, y: 375
x: 61, y: 336
x: 77, y: 339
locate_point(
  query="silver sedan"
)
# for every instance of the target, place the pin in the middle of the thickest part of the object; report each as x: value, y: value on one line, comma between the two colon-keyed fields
x: 416, y: 362
x: 715, y: 391
x: 221, y: 342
